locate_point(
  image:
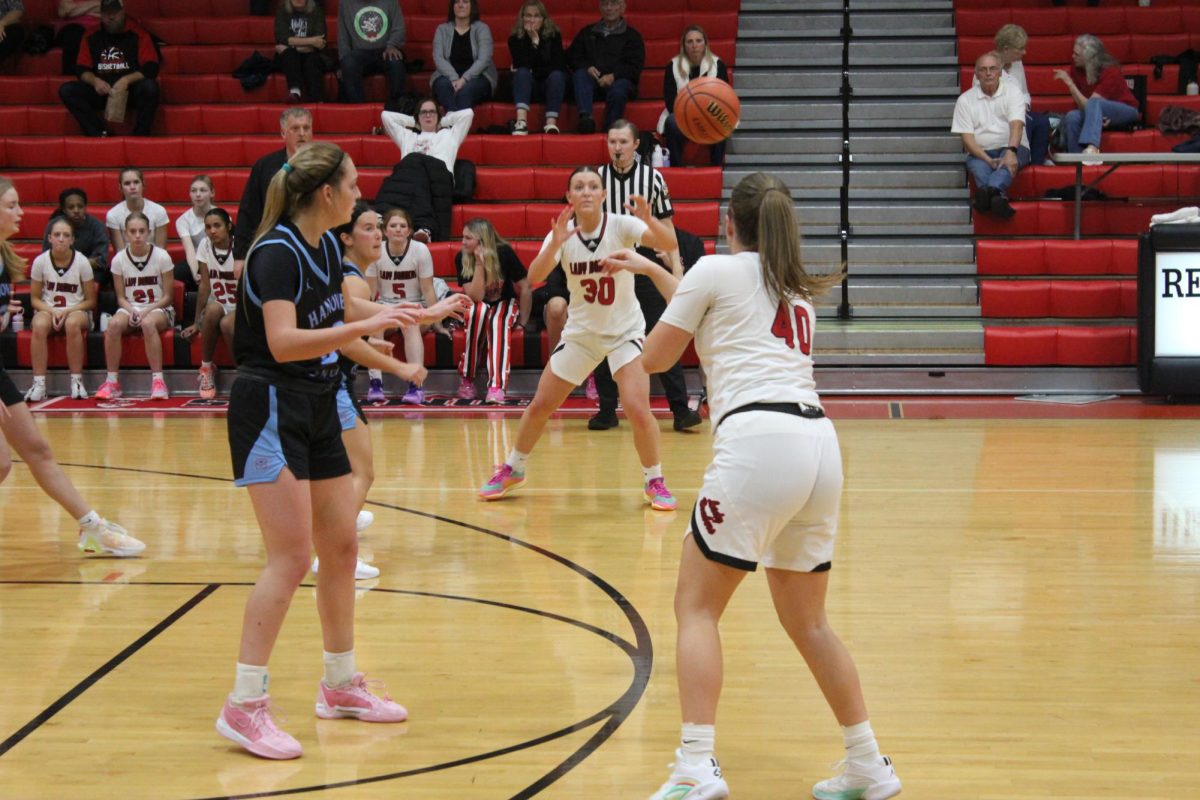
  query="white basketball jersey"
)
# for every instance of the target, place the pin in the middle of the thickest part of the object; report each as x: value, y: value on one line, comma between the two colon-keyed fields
x: 753, y: 349
x: 62, y: 289
x: 143, y: 276
x: 602, y: 305
x: 400, y: 277
x: 222, y: 284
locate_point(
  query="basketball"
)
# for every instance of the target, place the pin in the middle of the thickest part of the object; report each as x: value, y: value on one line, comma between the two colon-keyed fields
x: 707, y: 110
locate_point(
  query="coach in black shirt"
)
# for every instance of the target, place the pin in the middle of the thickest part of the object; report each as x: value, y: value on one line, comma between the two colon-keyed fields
x: 295, y: 126
x: 114, y: 58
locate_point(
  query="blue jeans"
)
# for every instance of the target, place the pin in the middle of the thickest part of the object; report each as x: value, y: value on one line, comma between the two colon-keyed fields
x: 616, y: 96
x: 475, y: 91
x: 674, y: 137
x: 999, y: 178
x: 554, y: 87
x: 358, y: 63
x: 1084, y: 127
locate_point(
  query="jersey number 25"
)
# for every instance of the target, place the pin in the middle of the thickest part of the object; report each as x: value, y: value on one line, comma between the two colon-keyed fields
x: 794, y: 327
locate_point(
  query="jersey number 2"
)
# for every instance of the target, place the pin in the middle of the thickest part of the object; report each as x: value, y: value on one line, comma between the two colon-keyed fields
x: 602, y: 291
x: 793, y: 326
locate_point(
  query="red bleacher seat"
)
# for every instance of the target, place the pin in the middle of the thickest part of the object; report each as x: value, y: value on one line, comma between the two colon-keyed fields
x: 504, y: 183
x: 1025, y: 346
x: 1155, y: 19
x: 508, y: 220
x: 1005, y: 257
x: 1085, y: 299
x: 56, y: 350
x: 1093, y: 346
x: 1014, y: 298
x: 1083, y: 257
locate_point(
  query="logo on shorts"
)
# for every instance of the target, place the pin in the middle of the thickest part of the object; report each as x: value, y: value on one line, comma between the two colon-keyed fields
x: 710, y: 514
x: 261, y: 463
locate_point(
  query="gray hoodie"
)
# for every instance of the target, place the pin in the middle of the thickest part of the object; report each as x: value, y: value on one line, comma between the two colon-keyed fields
x: 369, y: 25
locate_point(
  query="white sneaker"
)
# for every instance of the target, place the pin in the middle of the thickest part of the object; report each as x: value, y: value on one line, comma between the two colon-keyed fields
x: 693, y: 781
x: 36, y: 393
x: 111, y: 538
x: 1094, y: 152
x: 364, y: 521
x: 859, y: 782
x: 362, y: 570
x: 78, y: 391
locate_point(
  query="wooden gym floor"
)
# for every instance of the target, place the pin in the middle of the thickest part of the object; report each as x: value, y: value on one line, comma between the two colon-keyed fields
x: 1021, y: 596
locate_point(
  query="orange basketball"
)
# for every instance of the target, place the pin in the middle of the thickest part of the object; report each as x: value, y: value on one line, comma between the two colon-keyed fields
x: 707, y: 110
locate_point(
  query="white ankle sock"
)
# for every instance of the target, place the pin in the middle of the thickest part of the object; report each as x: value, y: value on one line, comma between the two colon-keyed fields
x: 112, y: 376
x: 339, y: 668
x: 650, y: 473
x: 861, y: 747
x: 40, y: 380
x: 156, y: 375
x: 250, y: 682
x: 517, y: 459
x: 206, y: 364
x: 375, y: 374
x: 697, y: 742
x: 76, y: 378
x: 90, y: 520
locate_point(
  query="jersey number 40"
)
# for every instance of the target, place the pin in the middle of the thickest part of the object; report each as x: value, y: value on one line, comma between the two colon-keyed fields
x: 794, y: 327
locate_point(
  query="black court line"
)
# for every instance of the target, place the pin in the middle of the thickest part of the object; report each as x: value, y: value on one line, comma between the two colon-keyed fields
x: 114, y: 662
x: 640, y: 653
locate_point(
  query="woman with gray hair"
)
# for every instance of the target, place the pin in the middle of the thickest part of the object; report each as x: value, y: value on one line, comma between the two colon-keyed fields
x: 1100, y: 92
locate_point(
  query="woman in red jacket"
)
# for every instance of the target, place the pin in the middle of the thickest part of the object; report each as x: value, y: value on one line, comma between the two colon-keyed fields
x: 1099, y: 89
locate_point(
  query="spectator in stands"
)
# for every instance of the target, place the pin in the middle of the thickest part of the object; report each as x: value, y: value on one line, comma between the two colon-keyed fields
x: 216, y: 298
x: 607, y: 58
x: 695, y: 60
x: 539, y: 65
x: 115, y: 59
x: 299, y: 46
x: 133, y: 188
x: 295, y: 126
x: 63, y: 295
x: 1010, y: 46
x: 423, y: 182
x: 550, y: 302
x: 624, y: 177
x: 190, y: 228
x: 144, y: 282
x: 990, y: 118
x: 12, y: 35
x: 90, y: 235
x: 492, y: 275
x: 403, y: 274
x: 464, y: 73
x: 370, y: 41
x: 81, y: 17
x: 1100, y: 92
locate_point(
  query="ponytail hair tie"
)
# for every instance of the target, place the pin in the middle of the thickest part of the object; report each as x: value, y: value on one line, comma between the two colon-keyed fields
x: 287, y: 168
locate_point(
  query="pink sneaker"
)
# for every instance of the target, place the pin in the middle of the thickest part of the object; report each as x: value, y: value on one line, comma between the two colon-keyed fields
x: 466, y: 389
x: 358, y: 702
x: 589, y: 389
x: 504, y: 481
x: 495, y: 397
x: 659, y: 496
x: 158, y: 389
x: 109, y: 390
x: 208, y: 382
x: 251, y: 725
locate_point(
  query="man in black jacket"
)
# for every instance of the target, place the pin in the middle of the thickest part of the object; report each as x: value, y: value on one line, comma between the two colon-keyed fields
x: 607, y: 59
x: 295, y: 126
x: 114, y: 58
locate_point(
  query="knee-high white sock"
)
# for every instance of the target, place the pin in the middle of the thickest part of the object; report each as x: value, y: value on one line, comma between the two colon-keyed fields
x: 697, y: 742
x: 861, y: 747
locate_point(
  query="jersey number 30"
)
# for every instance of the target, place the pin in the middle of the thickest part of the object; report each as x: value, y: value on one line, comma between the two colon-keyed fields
x: 793, y: 326
x: 602, y: 291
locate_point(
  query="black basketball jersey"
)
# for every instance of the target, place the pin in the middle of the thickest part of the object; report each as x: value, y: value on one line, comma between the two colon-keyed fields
x: 5, y: 296
x: 281, y: 266
x: 348, y: 367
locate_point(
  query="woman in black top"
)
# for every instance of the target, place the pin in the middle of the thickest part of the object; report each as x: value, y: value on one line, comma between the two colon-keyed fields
x: 299, y: 42
x: 96, y: 534
x: 286, y: 443
x: 494, y: 278
x: 91, y: 235
x: 539, y: 65
x: 695, y: 60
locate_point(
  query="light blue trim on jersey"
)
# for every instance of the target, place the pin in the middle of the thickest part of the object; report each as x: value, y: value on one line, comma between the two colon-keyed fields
x: 266, y: 461
x: 327, y: 240
x: 299, y: 266
x: 345, y: 409
x: 349, y: 266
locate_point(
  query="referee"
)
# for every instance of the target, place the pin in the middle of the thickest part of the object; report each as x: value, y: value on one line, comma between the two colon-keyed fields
x: 627, y: 175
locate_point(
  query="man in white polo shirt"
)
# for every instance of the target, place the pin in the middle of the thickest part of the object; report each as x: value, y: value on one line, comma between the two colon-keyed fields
x: 991, y: 119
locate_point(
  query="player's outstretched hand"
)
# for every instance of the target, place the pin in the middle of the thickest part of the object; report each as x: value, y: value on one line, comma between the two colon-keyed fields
x: 562, y: 230
x: 627, y: 260
x: 414, y: 373
x: 382, y: 345
x: 455, y: 307
x: 393, y: 317
x: 638, y: 206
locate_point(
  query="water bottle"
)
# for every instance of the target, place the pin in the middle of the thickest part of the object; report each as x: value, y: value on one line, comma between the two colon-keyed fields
x: 1192, y: 88
x: 17, y: 323
x: 656, y: 157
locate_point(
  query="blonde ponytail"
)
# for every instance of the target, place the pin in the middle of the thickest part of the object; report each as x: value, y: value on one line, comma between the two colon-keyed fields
x: 294, y: 186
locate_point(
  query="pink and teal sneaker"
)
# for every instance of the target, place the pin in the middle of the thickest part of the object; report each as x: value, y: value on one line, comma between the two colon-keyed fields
x: 504, y: 481
x: 659, y: 496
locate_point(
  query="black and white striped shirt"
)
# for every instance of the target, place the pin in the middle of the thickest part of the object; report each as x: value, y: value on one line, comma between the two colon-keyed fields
x: 641, y: 179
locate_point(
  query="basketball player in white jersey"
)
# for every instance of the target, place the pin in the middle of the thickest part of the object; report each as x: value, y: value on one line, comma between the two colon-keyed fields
x: 63, y: 293
x: 216, y: 299
x: 143, y: 277
x: 403, y: 274
x: 772, y: 491
x: 604, y: 321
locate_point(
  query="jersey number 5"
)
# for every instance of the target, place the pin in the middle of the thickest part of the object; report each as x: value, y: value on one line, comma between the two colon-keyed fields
x: 602, y: 291
x: 793, y: 326
x: 398, y: 289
